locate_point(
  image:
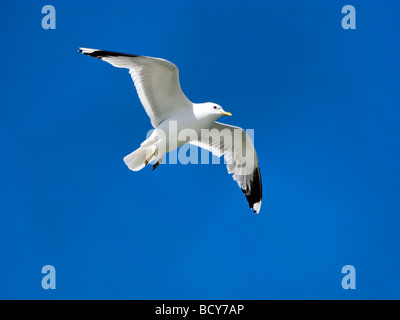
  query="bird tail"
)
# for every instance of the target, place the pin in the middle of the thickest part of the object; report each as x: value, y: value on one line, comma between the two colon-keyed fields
x: 137, y: 159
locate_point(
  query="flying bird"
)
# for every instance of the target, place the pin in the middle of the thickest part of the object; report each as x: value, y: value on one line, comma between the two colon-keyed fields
x: 157, y: 84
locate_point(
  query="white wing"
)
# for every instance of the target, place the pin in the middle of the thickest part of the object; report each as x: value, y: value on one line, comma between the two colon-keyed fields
x: 241, y: 158
x: 156, y: 81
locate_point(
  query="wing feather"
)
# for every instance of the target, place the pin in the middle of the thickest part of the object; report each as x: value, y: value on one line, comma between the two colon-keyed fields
x: 240, y: 156
x: 156, y: 81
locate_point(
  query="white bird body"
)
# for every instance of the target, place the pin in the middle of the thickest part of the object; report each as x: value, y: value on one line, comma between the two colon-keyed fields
x: 194, y: 118
x: 157, y: 83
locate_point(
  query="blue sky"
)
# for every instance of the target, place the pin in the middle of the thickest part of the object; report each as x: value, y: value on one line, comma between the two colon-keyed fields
x: 324, y: 106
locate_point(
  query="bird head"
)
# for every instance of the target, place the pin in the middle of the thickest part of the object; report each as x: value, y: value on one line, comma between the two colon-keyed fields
x: 216, y: 110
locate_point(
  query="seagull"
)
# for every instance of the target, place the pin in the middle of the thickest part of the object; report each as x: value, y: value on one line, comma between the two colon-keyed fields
x: 157, y: 84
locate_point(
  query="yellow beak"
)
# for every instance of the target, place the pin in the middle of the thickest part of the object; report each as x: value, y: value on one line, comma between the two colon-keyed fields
x: 224, y: 113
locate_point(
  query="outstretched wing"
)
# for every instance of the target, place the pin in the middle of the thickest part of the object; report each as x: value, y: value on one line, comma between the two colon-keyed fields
x: 156, y: 81
x: 240, y: 156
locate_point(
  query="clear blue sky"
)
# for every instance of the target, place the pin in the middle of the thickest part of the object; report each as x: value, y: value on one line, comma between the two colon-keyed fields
x: 324, y: 104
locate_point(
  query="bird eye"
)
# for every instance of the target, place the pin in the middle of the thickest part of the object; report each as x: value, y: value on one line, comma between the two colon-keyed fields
x: 215, y: 107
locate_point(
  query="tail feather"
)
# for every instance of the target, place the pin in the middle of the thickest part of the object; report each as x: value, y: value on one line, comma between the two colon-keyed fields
x: 136, y: 160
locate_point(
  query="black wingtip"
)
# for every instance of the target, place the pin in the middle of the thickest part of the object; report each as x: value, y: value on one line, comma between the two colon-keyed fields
x: 103, y: 53
x: 254, y: 193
